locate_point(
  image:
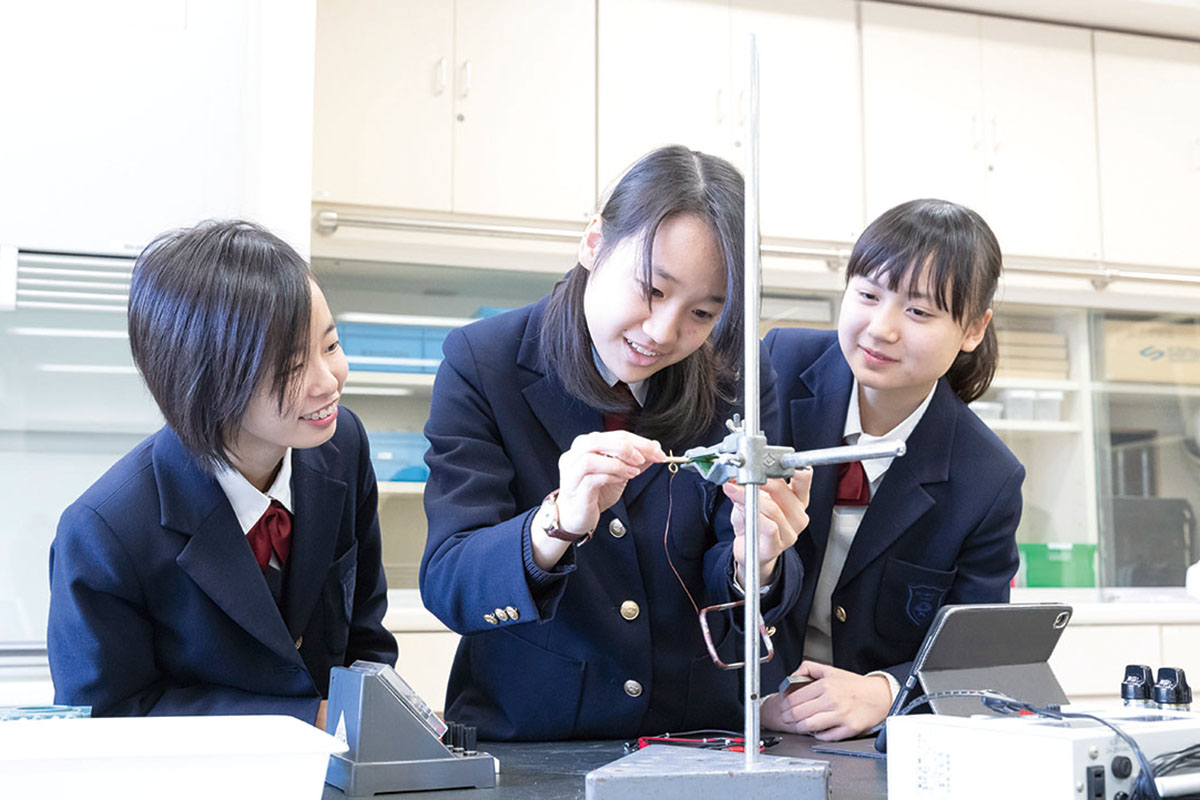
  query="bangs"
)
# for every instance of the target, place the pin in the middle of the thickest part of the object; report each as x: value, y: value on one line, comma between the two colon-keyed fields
x: 286, y: 343
x: 934, y: 256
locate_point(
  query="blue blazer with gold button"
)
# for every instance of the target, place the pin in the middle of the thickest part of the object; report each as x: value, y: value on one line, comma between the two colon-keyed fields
x: 157, y: 605
x: 607, y: 644
x: 941, y: 528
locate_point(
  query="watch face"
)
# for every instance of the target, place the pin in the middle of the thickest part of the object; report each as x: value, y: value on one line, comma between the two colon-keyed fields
x: 545, y: 518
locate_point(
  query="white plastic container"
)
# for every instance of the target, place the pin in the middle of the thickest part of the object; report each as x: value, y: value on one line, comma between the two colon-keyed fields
x: 1018, y: 403
x: 988, y: 409
x: 1047, y: 405
x: 261, y: 757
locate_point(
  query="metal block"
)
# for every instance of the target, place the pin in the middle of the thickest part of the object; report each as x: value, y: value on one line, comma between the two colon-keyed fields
x: 667, y: 772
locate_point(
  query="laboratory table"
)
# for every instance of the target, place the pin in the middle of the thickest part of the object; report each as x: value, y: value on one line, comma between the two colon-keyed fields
x: 556, y: 771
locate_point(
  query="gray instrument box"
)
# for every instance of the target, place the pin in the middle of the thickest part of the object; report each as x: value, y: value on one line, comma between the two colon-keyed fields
x: 394, y: 738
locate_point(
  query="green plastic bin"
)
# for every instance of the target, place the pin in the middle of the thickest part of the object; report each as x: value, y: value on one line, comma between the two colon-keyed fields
x: 1058, y: 564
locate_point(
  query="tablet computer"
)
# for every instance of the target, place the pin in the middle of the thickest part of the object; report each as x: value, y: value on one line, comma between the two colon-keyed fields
x: 1002, y: 646
x: 1005, y: 647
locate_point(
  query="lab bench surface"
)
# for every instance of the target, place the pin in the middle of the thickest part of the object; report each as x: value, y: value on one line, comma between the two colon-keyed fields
x: 557, y: 770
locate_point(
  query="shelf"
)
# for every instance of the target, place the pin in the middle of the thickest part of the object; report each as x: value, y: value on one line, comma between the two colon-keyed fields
x: 1033, y: 426
x: 1157, y: 389
x: 389, y: 383
x: 413, y: 488
x: 1036, y: 383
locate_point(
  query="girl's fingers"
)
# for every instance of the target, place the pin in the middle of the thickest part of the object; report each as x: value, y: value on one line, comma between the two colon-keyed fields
x: 597, y: 464
x: 623, y: 445
x: 574, y: 465
x: 801, y: 485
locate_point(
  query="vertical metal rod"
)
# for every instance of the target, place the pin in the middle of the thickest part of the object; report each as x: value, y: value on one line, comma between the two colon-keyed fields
x: 753, y: 291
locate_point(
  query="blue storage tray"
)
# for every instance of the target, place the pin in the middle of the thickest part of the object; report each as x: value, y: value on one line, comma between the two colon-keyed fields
x: 378, y: 347
x: 398, y: 456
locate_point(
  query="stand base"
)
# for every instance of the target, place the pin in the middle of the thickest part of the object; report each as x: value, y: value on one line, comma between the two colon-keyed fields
x: 364, y: 779
x: 668, y: 772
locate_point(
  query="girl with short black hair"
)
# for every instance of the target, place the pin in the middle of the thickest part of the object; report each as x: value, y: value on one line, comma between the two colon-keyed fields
x: 230, y: 560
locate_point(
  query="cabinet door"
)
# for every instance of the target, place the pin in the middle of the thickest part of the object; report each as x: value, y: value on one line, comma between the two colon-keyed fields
x: 1040, y: 135
x: 383, y: 99
x: 663, y: 79
x: 810, y: 131
x: 1148, y: 110
x: 923, y: 127
x: 524, y: 131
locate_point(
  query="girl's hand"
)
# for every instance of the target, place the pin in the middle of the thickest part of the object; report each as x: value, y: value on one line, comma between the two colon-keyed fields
x: 782, y: 516
x: 320, y: 722
x: 593, y: 473
x: 837, y: 704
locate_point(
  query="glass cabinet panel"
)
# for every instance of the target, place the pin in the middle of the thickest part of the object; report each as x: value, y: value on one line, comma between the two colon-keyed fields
x: 1147, y: 408
x: 392, y: 319
x: 1038, y: 406
x: 73, y: 404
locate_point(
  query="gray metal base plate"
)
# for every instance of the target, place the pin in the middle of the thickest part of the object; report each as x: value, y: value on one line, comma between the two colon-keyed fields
x: 668, y: 772
x: 359, y: 779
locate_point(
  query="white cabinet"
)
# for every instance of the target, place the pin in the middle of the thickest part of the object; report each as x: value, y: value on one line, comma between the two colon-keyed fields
x: 663, y: 78
x: 995, y: 114
x: 922, y: 104
x: 124, y: 119
x: 1148, y: 113
x: 382, y: 122
x: 675, y: 71
x: 472, y: 107
x: 810, y: 120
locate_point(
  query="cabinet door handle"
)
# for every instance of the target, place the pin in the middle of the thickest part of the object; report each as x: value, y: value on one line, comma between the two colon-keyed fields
x: 440, y: 75
x: 466, y: 71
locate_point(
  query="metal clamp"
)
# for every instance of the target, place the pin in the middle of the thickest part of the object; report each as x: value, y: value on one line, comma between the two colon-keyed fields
x: 748, y: 459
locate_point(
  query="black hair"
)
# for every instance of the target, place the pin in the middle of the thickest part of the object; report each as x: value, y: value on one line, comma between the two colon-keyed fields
x: 952, y: 248
x: 214, y: 310
x: 684, y: 398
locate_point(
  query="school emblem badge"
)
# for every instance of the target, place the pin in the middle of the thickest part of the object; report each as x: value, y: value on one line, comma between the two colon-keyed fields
x: 922, y: 602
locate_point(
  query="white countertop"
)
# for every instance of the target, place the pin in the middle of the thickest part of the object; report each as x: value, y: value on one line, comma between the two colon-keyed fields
x: 1120, y: 606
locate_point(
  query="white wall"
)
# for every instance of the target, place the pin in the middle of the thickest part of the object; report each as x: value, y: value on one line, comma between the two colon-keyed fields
x: 118, y: 120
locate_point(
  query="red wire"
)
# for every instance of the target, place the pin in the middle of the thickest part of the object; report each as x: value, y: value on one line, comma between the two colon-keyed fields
x: 667, y: 550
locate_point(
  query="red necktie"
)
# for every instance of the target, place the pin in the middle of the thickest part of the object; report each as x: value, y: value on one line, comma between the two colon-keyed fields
x: 853, y: 488
x: 617, y: 421
x: 273, y: 531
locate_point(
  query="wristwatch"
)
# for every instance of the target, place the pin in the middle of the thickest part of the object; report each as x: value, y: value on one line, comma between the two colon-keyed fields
x: 546, y: 520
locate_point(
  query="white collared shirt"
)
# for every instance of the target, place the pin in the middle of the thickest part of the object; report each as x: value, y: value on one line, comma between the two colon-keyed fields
x: 818, y: 642
x: 249, y: 504
x: 638, y: 388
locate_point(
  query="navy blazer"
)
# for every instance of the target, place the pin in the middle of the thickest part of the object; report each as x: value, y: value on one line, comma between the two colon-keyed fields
x: 549, y: 655
x: 941, y: 528
x: 157, y: 605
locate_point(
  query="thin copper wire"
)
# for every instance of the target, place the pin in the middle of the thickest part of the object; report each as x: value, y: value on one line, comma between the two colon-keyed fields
x: 667, y: 532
